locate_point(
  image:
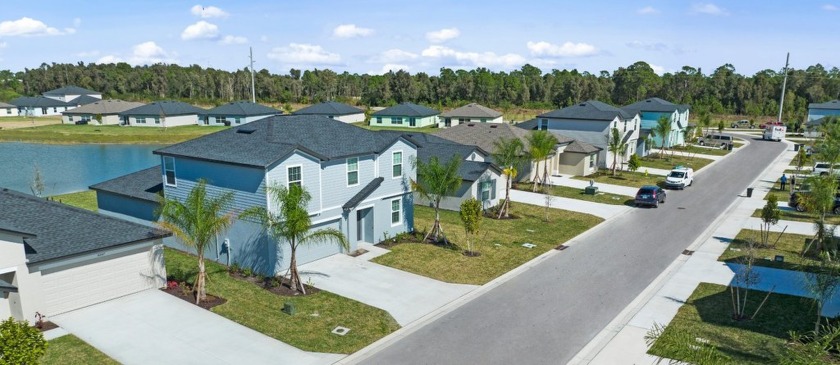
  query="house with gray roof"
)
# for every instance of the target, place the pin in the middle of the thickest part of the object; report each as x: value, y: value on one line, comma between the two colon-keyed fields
x: 8, y: 110
x: 72, y: 93
x: 334, y: 110
x: 55, y: 258
x: 592, y: 122
x: 405, y: 115
x: 237, y: 113
x: 164, y: 114
x: 39, y: 106
x: 651, y: 110
x: 359, y: 181
x: 101, y: 112
x: 821, y: 110
x: 470, y: 113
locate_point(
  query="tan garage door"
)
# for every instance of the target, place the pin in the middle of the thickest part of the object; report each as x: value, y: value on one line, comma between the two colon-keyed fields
x: 99, y: 281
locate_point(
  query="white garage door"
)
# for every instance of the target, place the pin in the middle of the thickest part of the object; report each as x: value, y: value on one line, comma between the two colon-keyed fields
x: 97, y: 282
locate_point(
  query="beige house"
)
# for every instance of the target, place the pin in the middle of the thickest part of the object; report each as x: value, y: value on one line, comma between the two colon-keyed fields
x: 470, y: 113
x: 108, y: 112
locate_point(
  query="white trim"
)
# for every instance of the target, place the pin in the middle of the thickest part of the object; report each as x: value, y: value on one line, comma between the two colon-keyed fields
x: 400, y: 210
x: 8, y: 270
x: 320, y: 186
x: 288, y: 181
x: 347, y: 171
x: 337, y: 218
x: 402, y: 162
x: 174, y: 173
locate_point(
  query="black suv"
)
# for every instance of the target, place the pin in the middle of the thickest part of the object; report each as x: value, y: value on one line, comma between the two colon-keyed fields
x: 795, y: 202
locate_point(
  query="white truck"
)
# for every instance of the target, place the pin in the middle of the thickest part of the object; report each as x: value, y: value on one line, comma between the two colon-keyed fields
x: 679, y: 178
x: 774, y: 133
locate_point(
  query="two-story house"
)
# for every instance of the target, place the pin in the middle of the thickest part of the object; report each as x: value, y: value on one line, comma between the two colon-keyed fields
x: 592, y: 122
x: 74, y: 94
x: 334, y: 110
x: 162, y: 114
x: 470, y: 113
x: 236, y: 113
x: 405, y: 115
x: 651, y: 110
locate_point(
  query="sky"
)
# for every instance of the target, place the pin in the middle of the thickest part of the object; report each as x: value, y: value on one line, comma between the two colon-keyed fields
x: 375, y: 36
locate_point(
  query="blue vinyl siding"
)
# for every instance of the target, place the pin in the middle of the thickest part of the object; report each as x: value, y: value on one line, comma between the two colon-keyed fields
x: 310, y: 174
x: 140, y: 209
x: 814, y: 114
x: 246, y: 183
x: 334, y: 175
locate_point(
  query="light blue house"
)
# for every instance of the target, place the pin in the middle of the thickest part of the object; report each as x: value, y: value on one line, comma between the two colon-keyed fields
x: 236, y: 113
x: 359, y: 181
x: 652, y: 109
x: 405, y: 115
x: 821, y: 110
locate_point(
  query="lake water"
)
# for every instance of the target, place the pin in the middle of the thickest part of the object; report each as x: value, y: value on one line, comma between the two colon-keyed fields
x: 70, y: 168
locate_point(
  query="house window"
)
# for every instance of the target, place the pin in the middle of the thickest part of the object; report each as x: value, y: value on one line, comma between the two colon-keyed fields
x: 70, y: 118
x: 44, y: 111
x: 237, y: 120
x: 294, y: 176
x: 395, y: 211
x: 352, y: 171
x: 483, y: 120
x: 169, y: 170
x: 378, y: 120
x: 412, y: 122
x: 463, y: 120
x: 592, y: 161
x: 396, y: 120
x: 140, y: 120
x: 396, y: 168
x: 543, y: 124
x: 447, y: 122
x: 625, y: 126
x: 222, y: 120
x: 330, y: 116
x: 157, y: 120
x: 485, y: 190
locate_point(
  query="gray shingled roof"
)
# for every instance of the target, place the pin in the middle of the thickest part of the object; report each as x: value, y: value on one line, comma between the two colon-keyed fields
x: 654, y: 105
x: 84, y: 100
x: 831, y: 105
x: 362, y: 194
x: 71, y: 90
x: 4, y: 105
x: 64, y: 231
x: 329, y: 108
x: 407, y: 110
x: 242, y: 108
x: 589, y: 110
x: 582, y: 147
x: 165, y: 108
x: 6, y: 287
x: 8, y: 227
x: 472, y: 110
x: 38, y: 102
x: 596, y: 139
x: 145, y: 184
x: 483, y: 135
x: 266, y: 141
x: 104, y: 107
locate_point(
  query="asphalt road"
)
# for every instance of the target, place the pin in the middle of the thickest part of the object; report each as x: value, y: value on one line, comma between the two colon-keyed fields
x: 547, y: 314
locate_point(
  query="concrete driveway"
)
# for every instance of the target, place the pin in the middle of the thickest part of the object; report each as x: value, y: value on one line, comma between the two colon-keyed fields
x: 406, y: 296
x: 152, y: 327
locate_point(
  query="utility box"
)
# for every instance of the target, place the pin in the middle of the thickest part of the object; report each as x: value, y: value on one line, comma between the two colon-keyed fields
x: 289, y: 308
x: 591, y: 190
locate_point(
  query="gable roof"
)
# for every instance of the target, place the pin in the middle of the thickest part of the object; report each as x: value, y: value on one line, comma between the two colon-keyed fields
x: 242, y: 108
x: 483, y: 135
x: 831, y: 105
x: 8, y: 227
x: 263, y: 142
x: 83, y: 100
x: 5, y: 105
x: 472, y: 110
x: 589, y: 110
x: 407, y: 110
x: 164, y: 108
x: 582, y: 147
x: 145, y: 184
x: 362, y: 194
x: 64, y: 231
x: 38, y: 102
x: 329, y: 108
x: 104, y: 107
x: 654, y: 105
x: 71, y: 90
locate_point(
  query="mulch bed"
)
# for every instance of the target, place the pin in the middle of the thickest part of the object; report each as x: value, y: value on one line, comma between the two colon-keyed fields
x: 410, y: 237
x: 277, y: 285
x: 188, y: 296
x: 45, y: 326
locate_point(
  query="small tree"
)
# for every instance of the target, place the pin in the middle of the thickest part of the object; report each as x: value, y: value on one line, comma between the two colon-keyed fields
x: 820, y: 200
x: 541, y: 143
x: 800, y: 159
x: 663, y: 130
x: 634, y: 163
x: 288, y: 108
x: 721, y: 126
x: 615, y: 145
x: 20, y: 343
x: 37, y: 185
x: 770, y: 215
x: 434, y: 182
x: 822, y: 285
x: 509, y: 155
x: 471, y: 217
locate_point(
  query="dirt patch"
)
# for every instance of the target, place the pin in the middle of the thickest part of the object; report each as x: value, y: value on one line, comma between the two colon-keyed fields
x: 27, y: 124
x: 45, y: 326
x: 184, y: 292
x: 277, y: 285
x: 358, y: 252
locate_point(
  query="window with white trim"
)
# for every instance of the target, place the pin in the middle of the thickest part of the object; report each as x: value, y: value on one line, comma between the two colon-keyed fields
x: 157, y: 120
x: 592, y: 161
x: 169, y: 170
x: 140, y: 120
x: 396, y: 164
x: 396, y: 120
x: 485, y: 190
x: 294, y: 176
x: 396, y: 211
x: 237, y: 120
x: 352, y: 171
x: 378, y: 120
x: 543, y: 125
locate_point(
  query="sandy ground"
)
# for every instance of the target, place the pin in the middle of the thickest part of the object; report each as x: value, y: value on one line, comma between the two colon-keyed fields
x: 35, y: 122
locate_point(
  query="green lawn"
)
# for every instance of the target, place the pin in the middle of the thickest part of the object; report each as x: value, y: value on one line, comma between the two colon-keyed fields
x: 668, y: 161
x: 792, y: 215
x: 707, y: 315
x: 789, y: 245
x: 66, y: 133
x: 83, y: 199
x: 575, y: 193
x: 386, y: 127
x: 624, y: 178
x: 692, y: 149
x: 309, y: 329
x: 781, y: 195
x: 499, y: 242
x: 71, y: 350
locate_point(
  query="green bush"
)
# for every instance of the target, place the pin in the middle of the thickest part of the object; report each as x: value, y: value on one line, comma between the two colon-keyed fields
x: 20, y: 343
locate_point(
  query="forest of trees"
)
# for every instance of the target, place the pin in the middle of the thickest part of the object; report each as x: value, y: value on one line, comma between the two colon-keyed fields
x: 724, y: 91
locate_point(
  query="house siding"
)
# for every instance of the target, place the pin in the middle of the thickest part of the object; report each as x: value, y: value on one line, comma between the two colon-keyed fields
x: 470, y: 189
x: 217, y: 119
x: 350, y: 118
x: 112, y: 119
x: 387, y: 121
x: 576, y: 164
x: 649, y: 120
x: 310, y: 177
x: 41, y: 112
x: 30, y: 295
x: 814, y: 114
x: 453, y: 121
x: 137, y: 208
x: 246, y: 183
x: 165, y: 121
x: 598, y: 131
x: 8, y: 112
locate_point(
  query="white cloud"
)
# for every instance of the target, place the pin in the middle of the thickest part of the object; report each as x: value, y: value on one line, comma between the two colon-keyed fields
x: 304, y: 54
x: 200, y: 30
x: 232, y: 39
x: 388, y: 67
x: 394, y: 55
x: 3, y: 44
x: 659, y: 70
x: 109, y: 59
x: 567, y: 49
x: 145, y: 53
x: 830, y: 7
x: 474, y: 59
x: 708, y: 8
x: 647, y: 10
x: 351, y: 31
x: 208, y: 12
x: 443, y: 35
x: 28, y: 27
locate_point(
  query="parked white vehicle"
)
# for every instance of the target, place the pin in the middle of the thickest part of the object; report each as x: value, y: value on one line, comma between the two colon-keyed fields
x: 679, y: 178
x: 774, y: 133
x: 822, y: 168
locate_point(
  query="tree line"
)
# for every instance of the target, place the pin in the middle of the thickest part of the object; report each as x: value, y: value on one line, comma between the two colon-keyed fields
x: 724, y: 91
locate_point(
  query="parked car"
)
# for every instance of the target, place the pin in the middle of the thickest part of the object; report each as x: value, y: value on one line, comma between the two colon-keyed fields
x: 679, y: 178
x: 743, y: 123
x: 650, y: 195
x: 822, y: 168
x: 765, y: 124
x: 796, y: 198
x: 81, y: 122
x: 715, y: 140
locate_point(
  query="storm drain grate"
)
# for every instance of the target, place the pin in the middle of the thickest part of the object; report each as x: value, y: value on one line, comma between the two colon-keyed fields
x: 561, y: 247
x: 341, y: 331
x: 687, y: 252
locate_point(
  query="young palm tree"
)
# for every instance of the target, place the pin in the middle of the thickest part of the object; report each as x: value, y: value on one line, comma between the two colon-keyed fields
x: 434, y: 182
x: 509, y: 155
x: 541, y: 143
x: 291, y: 223
x: 195, y: 222
x: 663, y: 130
x: 615, y: 145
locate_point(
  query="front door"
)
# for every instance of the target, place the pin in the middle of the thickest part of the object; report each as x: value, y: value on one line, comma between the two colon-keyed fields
x: 364, y: 225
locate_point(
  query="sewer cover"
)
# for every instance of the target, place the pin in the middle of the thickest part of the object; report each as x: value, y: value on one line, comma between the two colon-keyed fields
x: 561, y: 247
x: 687, y: 252
x: 341, y: 331
x: 529, y: 245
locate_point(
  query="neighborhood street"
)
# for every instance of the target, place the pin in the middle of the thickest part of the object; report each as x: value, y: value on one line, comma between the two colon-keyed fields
x: 545, y: 315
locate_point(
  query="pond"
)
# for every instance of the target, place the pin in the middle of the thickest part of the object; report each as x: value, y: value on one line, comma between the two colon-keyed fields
x: 70, y: 168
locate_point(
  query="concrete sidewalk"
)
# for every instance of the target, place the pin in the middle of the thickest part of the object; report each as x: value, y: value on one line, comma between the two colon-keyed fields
x: 566, y: 180
x: 605, y: 211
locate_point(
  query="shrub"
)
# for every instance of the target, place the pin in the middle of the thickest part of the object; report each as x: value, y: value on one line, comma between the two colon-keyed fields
x: 20, y: 343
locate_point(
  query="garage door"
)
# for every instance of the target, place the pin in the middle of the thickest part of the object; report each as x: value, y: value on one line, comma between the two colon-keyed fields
x: 104, y: 279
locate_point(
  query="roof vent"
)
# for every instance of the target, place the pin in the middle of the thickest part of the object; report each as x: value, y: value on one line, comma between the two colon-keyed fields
x: 493, y: 126
x: 471, y: 125
x: 246, y: 130
x: 582, y: 104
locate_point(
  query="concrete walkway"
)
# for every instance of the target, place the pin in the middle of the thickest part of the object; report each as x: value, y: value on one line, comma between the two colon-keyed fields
x: 152, y: 327
x: 605, y: 211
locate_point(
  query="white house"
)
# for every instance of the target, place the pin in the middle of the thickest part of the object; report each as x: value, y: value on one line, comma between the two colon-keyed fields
x: 470, y: 113
x: 162, y: 114
x: 108, y: 112
x: 334, y: 110
x: 405, y: 115
x: 39, y: 106
x: 236, y: 113
x: 73, y: 94
x: 55, y: 258
x: 8, y: 110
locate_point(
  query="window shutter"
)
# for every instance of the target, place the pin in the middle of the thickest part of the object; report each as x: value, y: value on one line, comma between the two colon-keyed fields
x: 493, y: 189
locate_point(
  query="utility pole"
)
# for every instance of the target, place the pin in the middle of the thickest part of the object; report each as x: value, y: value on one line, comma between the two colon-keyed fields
x: 253, y: 92
x: 784, y: 84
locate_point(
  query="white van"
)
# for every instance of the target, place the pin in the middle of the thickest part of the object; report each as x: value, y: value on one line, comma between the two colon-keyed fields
x: 774, y: 133
x: 679, y: 178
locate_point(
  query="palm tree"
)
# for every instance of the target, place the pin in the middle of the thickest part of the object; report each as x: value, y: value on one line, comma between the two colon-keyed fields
x: 541, y: 143
x: 615, y: 145
x: 663, y: 130
x: 434, y: 182
x: 510, y: 156
x: 196, y: 221
x: 291, y: 223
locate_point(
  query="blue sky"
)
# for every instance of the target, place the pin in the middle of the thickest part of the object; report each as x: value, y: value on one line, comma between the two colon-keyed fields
x: 374, y: 36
